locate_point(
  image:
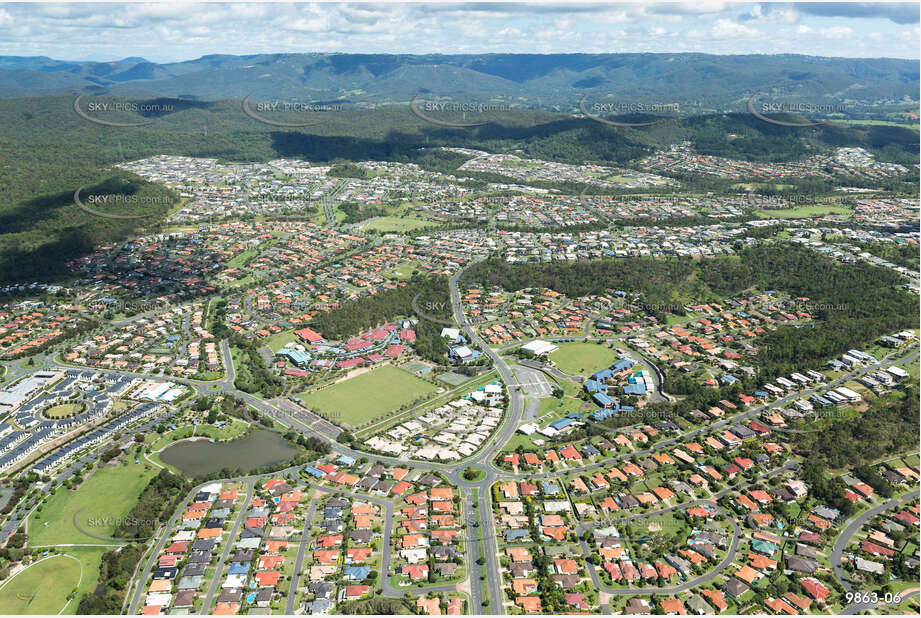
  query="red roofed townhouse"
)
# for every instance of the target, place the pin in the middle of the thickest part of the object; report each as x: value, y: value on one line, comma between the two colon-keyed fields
x: 308, y: 335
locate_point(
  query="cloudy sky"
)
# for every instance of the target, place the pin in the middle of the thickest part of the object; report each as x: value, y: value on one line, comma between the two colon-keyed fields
x: 172, y: 32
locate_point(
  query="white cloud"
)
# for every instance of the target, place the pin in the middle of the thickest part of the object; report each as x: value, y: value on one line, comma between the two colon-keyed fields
x: 728, y: 29
x: 170, y: 32
x: 836, y: 32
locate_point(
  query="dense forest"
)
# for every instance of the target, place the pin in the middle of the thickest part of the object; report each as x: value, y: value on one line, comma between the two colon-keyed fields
x: 115, y: 571
x: 155, y: 505
x: 888, y: 427
x: 852, y: 304
x: 252, y: 375
x: 40, y: 234
x: 665, y: 285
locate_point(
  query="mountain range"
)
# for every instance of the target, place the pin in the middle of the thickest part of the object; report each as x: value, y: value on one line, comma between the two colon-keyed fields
x: 699, y: 83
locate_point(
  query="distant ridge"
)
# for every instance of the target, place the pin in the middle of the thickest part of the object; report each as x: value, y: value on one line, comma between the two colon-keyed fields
x: 691, y: 80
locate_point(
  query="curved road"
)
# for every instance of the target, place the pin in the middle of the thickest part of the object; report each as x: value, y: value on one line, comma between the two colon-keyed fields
x: 854, y: 526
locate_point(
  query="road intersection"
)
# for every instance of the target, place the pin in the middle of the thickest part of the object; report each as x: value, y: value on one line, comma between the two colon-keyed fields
x: 522, y: 382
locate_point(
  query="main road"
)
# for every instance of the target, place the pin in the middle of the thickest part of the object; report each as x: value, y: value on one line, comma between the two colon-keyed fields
x: 515, y: 408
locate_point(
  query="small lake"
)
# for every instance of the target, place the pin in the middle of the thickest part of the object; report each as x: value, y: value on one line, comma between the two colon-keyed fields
x: 201, y: 457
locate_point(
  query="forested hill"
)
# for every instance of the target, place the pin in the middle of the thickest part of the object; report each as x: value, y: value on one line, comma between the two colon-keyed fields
x: 856, y: 303
x: 696, y: 82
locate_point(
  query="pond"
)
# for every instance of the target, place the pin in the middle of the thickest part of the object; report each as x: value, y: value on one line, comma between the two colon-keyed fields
x: 257, y: 449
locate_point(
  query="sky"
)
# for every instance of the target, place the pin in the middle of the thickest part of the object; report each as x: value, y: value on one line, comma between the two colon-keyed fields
x: 174, y: 32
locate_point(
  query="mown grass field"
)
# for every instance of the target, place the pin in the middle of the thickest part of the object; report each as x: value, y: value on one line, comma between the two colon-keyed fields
x: 63, y: 410
x: 278, y: 340
x: 396, y: 224
x: 797, y: 212
x: 42, y: 588
x: 105, y: 497
x: 367, y: 396
x: 579, y: 358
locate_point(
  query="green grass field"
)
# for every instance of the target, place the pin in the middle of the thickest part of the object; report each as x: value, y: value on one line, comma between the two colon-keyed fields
x: 63, y: 410
x: 396, y: 224
x: 42, y: 588
x: 805, y: 211
x: 367, y: 396
x: 582, y: 358
x: 106, y: 496
x: 278, y: 340
x: 241, y: 259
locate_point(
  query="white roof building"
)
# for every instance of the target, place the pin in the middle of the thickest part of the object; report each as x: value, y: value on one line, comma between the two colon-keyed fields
x: 539, y: 347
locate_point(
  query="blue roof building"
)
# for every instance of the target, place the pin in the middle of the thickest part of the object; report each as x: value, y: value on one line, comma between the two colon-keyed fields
x: 638, y: 389
x: 602, y: 414
x: 603, y: 400
x: 516, y: 534
x: 314, y: 472
x: 550, y: 488
x: 298, y: 357
x: 561, y: 424
x: 357, y: 573
x: 238, y: 568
